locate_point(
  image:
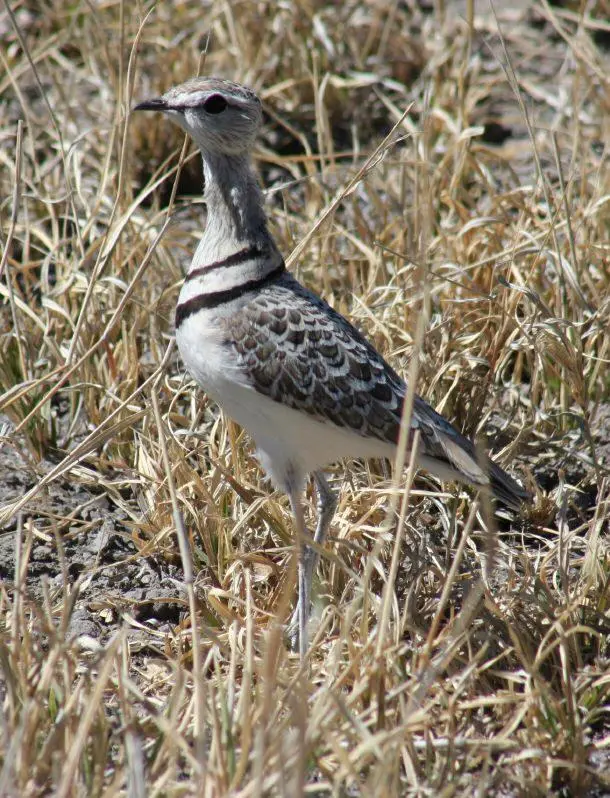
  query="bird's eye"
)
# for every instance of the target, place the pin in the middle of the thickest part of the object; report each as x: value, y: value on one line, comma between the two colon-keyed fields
x: 215, y: 104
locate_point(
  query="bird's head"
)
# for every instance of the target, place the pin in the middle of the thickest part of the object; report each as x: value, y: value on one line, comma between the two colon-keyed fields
x: 222, y: 117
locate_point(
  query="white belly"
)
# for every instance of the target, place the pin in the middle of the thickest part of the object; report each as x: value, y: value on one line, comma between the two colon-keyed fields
x: 291, y: 444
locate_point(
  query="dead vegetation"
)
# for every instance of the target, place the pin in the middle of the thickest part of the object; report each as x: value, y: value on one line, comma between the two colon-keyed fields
x: 455, y: 654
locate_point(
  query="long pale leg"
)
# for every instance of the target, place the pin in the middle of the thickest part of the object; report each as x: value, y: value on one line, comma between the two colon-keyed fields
x: 298, y: 622
x: 326, y: 505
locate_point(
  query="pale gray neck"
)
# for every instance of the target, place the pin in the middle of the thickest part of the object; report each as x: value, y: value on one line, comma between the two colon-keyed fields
x: 234, y: 202
x: 236, y: 246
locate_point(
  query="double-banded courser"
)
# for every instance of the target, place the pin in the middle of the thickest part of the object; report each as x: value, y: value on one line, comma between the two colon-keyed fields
x: 304, y: 383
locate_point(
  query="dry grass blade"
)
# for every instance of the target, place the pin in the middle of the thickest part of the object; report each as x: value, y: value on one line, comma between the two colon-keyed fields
x: 442, y: 180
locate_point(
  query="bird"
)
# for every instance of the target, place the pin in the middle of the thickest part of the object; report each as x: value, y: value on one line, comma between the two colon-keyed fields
x: 305, y: 384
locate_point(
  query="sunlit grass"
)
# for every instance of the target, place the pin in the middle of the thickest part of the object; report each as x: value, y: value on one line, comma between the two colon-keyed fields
x: 483, y: 663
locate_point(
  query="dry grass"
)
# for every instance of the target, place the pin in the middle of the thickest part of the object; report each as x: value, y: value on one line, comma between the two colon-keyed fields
x: 448, y: 660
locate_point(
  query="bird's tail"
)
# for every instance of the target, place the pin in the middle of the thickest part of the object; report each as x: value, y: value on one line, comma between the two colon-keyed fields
x: 448, y: 453
x: 506, y: 489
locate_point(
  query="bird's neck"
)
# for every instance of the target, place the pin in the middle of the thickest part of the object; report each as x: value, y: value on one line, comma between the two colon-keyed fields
x: 236, y: 248
x: 236, y: 217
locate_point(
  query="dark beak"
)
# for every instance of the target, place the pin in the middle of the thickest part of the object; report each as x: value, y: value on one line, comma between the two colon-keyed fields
x: 156, y: 104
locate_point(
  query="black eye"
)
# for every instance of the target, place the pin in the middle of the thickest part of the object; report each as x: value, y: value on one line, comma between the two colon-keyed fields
x: 215, y: 104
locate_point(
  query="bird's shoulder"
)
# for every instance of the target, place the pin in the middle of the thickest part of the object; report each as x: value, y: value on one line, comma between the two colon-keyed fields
x: 298, y: 350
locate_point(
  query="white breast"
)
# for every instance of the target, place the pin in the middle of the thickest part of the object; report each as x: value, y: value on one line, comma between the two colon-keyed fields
x: 290, y: 443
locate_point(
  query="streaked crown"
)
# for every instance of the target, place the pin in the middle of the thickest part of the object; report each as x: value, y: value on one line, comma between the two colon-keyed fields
x: 220, y: 115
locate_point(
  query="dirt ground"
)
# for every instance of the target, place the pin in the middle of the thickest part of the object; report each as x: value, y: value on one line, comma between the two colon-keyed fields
x: 117, y: 584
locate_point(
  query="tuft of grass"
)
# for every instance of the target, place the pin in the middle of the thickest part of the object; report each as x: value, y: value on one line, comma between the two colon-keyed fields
x: 143, y: 558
